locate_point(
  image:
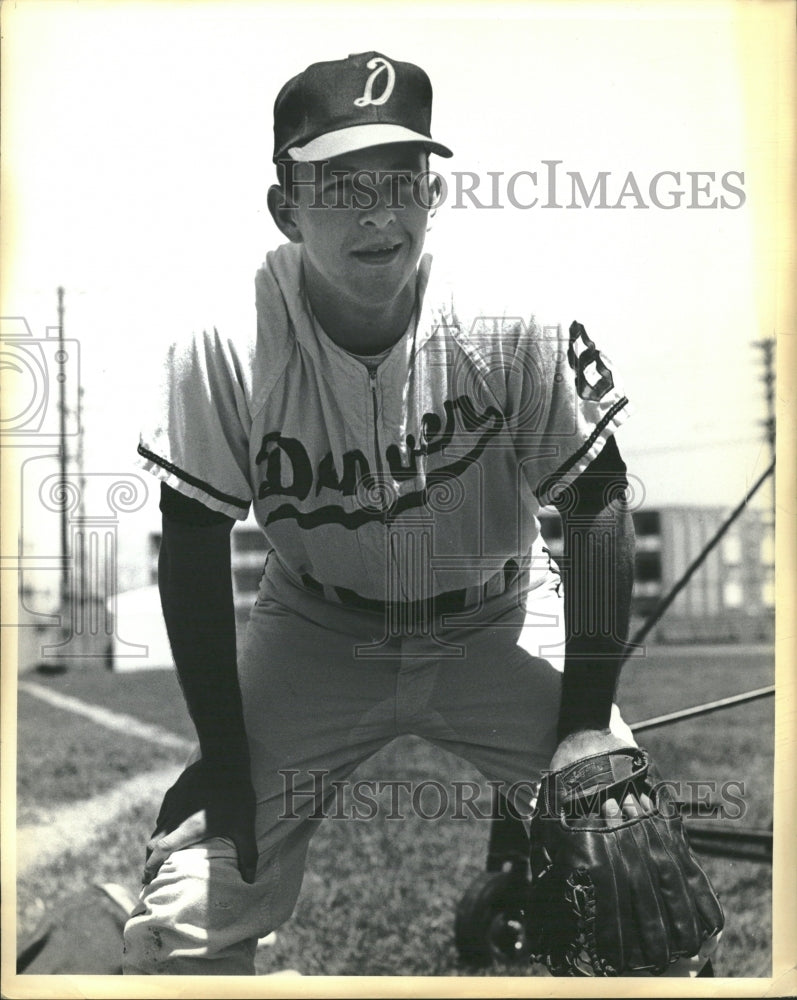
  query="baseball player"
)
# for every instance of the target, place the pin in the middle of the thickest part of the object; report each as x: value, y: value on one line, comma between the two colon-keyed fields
x: 396, y: 456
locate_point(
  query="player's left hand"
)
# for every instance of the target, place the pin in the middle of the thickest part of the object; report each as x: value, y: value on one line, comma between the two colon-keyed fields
x: 614, y: 892
x: 586, y: 742
x: 206, y: 801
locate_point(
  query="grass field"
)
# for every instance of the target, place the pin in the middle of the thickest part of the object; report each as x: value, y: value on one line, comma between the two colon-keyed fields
x: 379, y: 896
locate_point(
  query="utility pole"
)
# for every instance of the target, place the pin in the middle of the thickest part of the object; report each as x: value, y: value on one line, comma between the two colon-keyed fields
x: 81, y: 596
x: 61, y: 378
x: 767, y: 348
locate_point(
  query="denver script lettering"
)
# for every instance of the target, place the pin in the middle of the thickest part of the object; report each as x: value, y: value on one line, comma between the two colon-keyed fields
x: 289, y: 472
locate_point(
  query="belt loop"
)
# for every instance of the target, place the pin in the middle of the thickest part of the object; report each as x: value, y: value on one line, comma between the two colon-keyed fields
x: 475, y: 595
x: 495, y: 586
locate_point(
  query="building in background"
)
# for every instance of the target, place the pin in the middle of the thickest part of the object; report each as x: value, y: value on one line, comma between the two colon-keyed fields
x: 731, y: 597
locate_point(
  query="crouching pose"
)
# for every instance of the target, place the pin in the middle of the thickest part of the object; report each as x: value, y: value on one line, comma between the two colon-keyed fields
x: 396, y: 456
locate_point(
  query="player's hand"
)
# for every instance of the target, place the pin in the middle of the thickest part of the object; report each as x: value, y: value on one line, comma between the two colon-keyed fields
x: 206, y: 801
x: 590, y: 741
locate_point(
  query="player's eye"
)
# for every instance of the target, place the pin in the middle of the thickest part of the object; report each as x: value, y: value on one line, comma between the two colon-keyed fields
x: 338, y: 187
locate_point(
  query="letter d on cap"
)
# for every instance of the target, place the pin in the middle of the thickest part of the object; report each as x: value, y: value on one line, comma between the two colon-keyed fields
x: 377, y: 64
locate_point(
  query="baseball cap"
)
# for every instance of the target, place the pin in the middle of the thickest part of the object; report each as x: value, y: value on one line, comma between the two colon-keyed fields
x: 364, y: 100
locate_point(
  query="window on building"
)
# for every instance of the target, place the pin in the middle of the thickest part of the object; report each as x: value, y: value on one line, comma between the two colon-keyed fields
x: 732, y: 595
x: 768, y: 548
x: 647, y: 522
x: 732, y: 549
x: 644, y: 606
x: 248, y: 540
x: 647, y: 566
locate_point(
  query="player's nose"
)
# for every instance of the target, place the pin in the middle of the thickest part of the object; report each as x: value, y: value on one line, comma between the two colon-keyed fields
x: 382, y: 211
x: 380, y: 216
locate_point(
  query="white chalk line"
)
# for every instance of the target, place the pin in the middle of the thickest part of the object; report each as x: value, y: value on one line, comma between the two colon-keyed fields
x: 117, y: 721
x: 73, y: 827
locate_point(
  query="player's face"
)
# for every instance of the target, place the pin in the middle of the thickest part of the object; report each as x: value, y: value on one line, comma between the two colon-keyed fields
x: 362, y: 220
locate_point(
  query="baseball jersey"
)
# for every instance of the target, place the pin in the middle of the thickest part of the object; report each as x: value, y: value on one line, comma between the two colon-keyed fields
x: 422, y: 475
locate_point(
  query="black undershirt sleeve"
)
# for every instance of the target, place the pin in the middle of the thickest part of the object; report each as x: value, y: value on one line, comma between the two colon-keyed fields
x: 603, y: 479
x: 185, y: 510
x: 598, y: 547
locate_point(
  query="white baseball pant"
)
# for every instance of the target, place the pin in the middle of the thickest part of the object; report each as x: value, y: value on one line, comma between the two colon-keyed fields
x: 323, y: 690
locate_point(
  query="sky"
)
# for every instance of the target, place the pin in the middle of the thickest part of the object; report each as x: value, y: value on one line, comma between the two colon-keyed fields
x: 137, y: 156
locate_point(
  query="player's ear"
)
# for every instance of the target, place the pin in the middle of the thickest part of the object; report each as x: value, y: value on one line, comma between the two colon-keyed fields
x: 435, y: 193
x: 283, y: 212
x: 433, y: 198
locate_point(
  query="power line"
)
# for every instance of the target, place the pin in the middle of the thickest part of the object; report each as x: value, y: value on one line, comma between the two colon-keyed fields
x: 694, y: 446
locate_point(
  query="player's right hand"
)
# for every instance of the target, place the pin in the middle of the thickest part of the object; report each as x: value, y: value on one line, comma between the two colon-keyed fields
x: 207, y: 800
x: 586, y: 743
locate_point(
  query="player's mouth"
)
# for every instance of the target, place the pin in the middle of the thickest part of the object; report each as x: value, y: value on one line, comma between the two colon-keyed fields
x: 382, y: 254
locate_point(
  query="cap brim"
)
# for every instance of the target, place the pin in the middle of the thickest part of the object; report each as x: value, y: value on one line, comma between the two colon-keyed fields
x: 349, y: 140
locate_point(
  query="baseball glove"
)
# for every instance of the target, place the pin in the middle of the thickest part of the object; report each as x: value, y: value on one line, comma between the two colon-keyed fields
x: 613, y: 897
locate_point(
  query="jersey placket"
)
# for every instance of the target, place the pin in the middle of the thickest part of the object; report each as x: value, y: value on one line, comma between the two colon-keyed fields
x: 385, y: 494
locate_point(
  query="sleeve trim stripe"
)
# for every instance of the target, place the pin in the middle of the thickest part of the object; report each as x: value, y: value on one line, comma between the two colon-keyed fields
x: 192, y: 480
x: 550, y: 481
